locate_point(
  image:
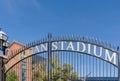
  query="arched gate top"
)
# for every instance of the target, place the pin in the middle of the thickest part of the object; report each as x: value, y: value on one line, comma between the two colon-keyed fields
x: 81, y: 40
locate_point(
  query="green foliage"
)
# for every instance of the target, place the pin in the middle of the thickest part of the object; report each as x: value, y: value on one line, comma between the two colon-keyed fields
x: 12, y: 76
x: 59, y: 72
x: 40, y: 74
x: 74, y: 75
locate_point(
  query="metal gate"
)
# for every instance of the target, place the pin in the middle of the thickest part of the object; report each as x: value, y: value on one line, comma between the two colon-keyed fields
x: 64, y: 58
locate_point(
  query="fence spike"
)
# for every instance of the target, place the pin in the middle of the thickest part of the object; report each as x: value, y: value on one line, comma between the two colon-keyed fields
x: 18, y: 50
x: 61, y: 37
x: 72, y: 37
x: 68, y: 37
x: 87, y: 39
x: 110, y: 45
x: 117, y: 48
x: 26, y: 45
x: 32, y: 43
x: 80, y: 38
x: 113, y: 47
x: 106, y: 43
x: 23, y: 48
x: 96, y: 41
x: 38, y: 41
x: 83, y: 38
x: 92, y: 39
x: 102, y: 42
x: 77, y: 37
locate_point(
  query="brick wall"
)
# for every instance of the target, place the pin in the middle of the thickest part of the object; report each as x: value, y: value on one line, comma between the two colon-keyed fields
x: 18, y: 67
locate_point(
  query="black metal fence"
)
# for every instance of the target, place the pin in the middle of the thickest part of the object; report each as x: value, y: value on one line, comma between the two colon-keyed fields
x: 55, y: 59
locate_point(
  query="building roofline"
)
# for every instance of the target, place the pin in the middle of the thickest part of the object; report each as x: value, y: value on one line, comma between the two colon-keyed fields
x: 16, y: 43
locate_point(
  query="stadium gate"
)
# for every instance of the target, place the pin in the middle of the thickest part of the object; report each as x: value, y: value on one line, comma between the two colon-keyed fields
x: 64, y: 58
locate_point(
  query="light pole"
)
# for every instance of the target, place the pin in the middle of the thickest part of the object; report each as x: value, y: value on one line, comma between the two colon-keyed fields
x: 3, y: 45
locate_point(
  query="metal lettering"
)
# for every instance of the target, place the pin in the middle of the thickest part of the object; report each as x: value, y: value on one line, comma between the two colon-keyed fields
x: 44, y: 47
x: 89, y: 45
x: 83, y: 47
x: 78, y: 46
x: 70, y: 46
x: 36, y: 50
x: 62, y: 45
x: 54, y: 46
x: 96, y: 53
x: 110, y: 58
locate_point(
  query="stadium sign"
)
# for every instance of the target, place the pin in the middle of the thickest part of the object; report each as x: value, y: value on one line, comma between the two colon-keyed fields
x: 82, y: 47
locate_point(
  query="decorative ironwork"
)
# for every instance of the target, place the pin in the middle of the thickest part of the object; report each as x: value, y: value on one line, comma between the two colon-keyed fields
x: 68, y: 58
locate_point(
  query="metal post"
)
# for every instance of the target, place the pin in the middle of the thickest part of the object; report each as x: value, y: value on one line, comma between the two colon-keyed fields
x: 49, y: 58
x: 0, y: 69
x: 4, y: 75
x: 119, y: 67
x: 3, y: 46
x: 3, y: 67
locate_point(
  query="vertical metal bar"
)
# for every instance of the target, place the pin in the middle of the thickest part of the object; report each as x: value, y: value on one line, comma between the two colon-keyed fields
x: 80, y: 65
x: 86, y: 66
x: 77, y: 65
x: 103, y: 68
x: 45, y: 65
x: 83, y: 67
x: 110, y: 70
x: 3, y: 68
x: 114, y: 71
x: 62, y: 63
x: 93, y: 66
x: 69, y: 63
x: 49, y: 57
x: 0, y: 69
x: 106, y: 71
x: 99, y: 69
x: 96, y: 67
x: 2, y: 75
x: 90, y: 64
x: 119, y: 67
x: 33, y: 67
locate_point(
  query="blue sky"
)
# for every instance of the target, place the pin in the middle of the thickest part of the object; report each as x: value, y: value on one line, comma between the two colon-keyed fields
x: 28, y: 20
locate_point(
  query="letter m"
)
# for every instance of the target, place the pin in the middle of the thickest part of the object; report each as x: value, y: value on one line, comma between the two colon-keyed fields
x: 109, y: 57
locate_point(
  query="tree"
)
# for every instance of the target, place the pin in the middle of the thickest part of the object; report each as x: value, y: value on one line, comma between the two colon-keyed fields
x: 62, y: 73
x: 74, y: 75
x: 12, y: 76
x: 59, y: 72
x: 39, y: 72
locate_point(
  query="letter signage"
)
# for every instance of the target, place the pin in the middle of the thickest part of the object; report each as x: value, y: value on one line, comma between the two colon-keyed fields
x: 81, y: 47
